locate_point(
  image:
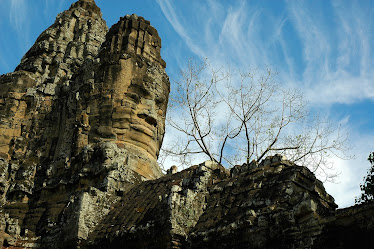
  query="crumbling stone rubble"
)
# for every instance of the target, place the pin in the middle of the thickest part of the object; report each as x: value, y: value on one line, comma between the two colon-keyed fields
x: 82, y: 119
x: 274, y: 204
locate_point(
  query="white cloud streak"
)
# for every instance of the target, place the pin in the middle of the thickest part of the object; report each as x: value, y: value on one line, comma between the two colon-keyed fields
x: 18, y: 15
x: 171, y: 15
x: 347, y: 186
x: 249, y: 35
x: 344, y: 77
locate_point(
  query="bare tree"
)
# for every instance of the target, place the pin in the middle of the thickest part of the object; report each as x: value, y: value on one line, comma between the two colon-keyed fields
x: 196, y: 105
x: 239, y: 117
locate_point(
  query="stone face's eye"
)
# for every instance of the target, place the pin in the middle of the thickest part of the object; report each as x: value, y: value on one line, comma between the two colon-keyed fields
x: 133, y: 96
x: 159, y: 101
x: 140, y: 90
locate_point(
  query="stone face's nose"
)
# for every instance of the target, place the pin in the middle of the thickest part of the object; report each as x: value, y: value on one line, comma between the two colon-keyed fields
x: 149, y: 115
x: 151, y: 119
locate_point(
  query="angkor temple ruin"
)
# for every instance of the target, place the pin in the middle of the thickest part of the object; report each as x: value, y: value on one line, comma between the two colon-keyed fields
x: 82, y: 119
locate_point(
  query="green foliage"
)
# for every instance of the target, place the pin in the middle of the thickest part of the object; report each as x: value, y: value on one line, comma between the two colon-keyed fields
x: 367, y: 187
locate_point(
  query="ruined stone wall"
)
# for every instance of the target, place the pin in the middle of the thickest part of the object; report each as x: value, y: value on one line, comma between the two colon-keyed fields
x: 274, y: 204
x: 158, y: 213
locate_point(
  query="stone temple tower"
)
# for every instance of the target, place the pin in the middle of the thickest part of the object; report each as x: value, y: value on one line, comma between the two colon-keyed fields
x: 82, y: 119
x: 127, y: 95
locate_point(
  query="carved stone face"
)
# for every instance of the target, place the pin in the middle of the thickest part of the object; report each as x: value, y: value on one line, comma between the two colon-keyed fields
x: 129, y: 96
x: 139, y: 120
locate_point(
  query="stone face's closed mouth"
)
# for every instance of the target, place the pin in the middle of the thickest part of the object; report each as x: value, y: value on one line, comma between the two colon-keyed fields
x: 142, y: 129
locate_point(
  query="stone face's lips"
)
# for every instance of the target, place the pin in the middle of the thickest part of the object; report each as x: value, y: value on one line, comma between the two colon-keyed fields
x: 142, y: 129
x: 143, y: 142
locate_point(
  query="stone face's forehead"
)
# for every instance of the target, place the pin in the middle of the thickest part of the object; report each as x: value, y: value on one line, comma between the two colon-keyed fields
x: 134, y: 35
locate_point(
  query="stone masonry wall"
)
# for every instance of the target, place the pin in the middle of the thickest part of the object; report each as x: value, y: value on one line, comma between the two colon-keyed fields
x: 275, y: 204
x: 31, y: 101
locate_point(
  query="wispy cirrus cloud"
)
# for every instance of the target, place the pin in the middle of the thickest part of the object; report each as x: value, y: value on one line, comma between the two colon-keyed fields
x: 339, y: 61
x: 314, y: 38
x: 18, y: 14
x: 173, y: 18
x: 18, y: 19
x: 225, y: 34
x: 334, y: 52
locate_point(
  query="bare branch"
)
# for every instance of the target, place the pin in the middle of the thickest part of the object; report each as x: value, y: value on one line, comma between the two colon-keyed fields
x: 247, y: 115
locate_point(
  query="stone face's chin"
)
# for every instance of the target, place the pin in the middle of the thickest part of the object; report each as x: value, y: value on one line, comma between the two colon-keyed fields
x: 143, y: 141
x: 143, y: 129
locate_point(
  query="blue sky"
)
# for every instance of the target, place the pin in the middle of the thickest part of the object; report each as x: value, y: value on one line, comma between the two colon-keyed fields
x: 325, y: 48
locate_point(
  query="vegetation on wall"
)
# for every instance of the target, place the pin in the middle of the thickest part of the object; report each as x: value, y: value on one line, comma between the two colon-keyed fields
x: 367, y: 187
